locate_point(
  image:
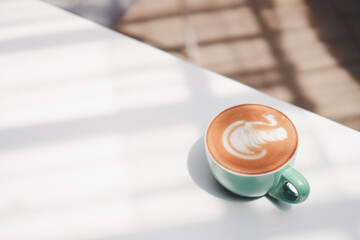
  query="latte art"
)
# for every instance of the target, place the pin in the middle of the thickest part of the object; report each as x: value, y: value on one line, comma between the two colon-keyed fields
x: 251, y: 139
x: 244, y: 140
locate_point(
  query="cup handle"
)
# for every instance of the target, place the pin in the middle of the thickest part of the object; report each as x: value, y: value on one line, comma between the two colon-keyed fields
x: 285, y: 192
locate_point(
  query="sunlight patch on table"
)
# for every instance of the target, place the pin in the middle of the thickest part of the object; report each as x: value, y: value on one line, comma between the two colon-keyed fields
x: 50, y: 158
x: 310, y: 155
x: 63, y: 174
x: 83, y: 188
x: 329, y: 233
x: 55, y: 99
x: 182, y: 207
x: 340, y: 144
x: 60, y: 66
x: 163, y: 94
x: 55, y: 104
x: 118, y: 217
x: 41, y: 29
x: 160, y: 140
x: 160, y: 156
x: 19, y: 12
x: 348, y: 177
x: 332, y: 185
x: 226, y: 87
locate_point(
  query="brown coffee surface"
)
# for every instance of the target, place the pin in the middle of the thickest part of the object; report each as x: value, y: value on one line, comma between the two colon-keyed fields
x: 251, y: 139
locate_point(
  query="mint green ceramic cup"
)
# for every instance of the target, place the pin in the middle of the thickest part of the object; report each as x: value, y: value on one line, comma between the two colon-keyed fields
x: 285, y: 183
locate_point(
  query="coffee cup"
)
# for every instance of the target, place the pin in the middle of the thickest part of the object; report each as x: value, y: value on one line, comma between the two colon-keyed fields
x: 251, y: 149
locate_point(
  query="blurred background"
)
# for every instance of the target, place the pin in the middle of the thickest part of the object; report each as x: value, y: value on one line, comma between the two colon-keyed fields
x: 305, y: 52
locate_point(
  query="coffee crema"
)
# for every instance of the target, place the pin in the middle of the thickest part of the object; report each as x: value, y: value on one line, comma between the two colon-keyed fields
x: 251, y: 139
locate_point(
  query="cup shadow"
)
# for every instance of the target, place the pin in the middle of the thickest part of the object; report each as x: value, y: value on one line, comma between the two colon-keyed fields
x: 283, y: 206
x: 200, y: 173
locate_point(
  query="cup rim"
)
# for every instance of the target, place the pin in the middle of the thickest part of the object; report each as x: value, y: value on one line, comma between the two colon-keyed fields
x: 286, y: 163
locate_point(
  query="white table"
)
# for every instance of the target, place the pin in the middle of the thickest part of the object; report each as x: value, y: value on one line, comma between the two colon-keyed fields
x: 101, y: 138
